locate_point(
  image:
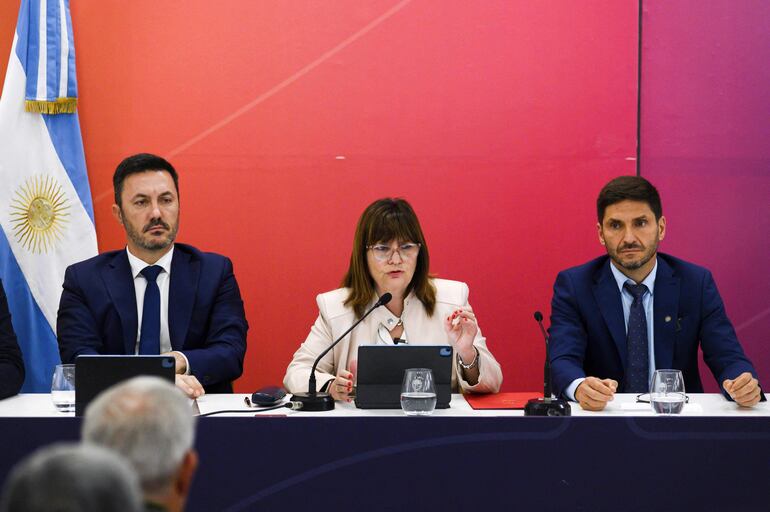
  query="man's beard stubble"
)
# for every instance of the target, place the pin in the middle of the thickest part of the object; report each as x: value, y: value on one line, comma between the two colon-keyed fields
x: 152, y: 245
x: 634, y: 265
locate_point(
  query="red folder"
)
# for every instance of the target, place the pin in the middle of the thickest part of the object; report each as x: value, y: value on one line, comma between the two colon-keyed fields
x: 501, y: 400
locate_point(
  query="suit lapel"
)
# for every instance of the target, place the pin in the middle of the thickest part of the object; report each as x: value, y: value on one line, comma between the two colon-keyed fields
x: 666, y: 314
x: 181, y: 296
x: 610, y: 304
x: 120, y: 285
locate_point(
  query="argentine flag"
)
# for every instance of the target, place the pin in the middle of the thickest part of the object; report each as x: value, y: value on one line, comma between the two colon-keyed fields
x: 45, y: 202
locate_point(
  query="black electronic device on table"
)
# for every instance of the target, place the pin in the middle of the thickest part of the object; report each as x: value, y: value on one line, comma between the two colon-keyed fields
x: 95, y: 373
x: 381, y: 373
x: 267, y: 396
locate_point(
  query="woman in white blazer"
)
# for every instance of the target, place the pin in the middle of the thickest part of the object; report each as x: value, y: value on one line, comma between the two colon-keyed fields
x: 390, y: 255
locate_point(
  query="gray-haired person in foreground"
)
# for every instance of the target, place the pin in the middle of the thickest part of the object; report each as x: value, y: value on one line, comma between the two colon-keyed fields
x: 150, y: 422
x: 68, y: 477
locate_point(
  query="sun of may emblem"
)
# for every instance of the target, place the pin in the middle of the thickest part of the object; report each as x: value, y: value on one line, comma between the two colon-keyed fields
x: 39, y: 213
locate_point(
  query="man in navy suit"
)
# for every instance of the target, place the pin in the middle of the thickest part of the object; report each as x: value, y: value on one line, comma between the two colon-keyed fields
x: 616, y: 319
x: 155, y: 296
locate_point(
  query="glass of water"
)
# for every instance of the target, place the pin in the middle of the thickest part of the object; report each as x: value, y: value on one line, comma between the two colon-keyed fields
x: 667, y: 392
x: 63, y: 387
x: 418, y: 393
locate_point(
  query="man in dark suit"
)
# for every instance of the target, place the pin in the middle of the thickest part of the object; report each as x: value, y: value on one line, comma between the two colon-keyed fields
x: 11, y: 362
x: 155, y: 296
x: 616, y: 319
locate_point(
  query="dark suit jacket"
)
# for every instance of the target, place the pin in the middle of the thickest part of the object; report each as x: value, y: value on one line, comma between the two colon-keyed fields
x: 11, y: 362
x: 588, y: 333
x: 97, y: 313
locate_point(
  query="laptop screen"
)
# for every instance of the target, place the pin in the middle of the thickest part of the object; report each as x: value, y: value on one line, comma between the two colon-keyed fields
x: 95, y: 373
x: 381, y: 373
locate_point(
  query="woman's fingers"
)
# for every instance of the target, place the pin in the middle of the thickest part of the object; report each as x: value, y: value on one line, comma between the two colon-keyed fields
x: 342, y: 386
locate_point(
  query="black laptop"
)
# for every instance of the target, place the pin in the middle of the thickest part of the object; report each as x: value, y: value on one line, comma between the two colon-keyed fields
x: 381, y: 373
x: 95, y: 373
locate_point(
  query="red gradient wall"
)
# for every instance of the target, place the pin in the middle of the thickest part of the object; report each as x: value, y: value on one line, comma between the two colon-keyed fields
x: 705, y: 122
x: 499, y: 121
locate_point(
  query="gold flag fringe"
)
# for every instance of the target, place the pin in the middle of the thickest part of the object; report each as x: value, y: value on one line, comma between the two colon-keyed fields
x: 58, y: 106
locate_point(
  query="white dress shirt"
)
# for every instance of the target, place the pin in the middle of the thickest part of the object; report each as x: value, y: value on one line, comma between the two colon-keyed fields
x: 384, y: 337
x: 140, y: 285
x: 628, y: 299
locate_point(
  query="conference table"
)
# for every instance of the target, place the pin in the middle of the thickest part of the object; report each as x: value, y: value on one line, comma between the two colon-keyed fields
x: 714, y: 456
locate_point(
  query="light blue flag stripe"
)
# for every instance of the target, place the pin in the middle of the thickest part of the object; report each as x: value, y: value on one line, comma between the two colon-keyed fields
x: 72, y: 83
x: 53, y: 30
x: 29, y: 323
x: 28, y: 43
x: 70, y: 151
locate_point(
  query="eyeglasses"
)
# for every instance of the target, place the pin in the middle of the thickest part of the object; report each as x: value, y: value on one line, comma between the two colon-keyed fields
x: 385, y: 253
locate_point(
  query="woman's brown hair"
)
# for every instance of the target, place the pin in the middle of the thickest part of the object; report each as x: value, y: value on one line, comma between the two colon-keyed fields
x: 383, y: 221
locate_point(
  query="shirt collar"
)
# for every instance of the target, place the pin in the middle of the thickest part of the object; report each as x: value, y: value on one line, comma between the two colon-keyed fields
x: 622, y: 279
x: 137, y: 265
x: 383, y: 314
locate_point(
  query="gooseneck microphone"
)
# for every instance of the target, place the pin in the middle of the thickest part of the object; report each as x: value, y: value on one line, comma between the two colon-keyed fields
x: 546, y: 406
x: 547, y: 393
x: 314, y: 401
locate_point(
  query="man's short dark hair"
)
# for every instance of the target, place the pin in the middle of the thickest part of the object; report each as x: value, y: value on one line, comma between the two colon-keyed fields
x: 628, y: 188
x: 141, y: 162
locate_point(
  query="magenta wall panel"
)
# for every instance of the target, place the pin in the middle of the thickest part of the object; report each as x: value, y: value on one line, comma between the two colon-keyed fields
x: 499, y: 120
x: 705, y: 143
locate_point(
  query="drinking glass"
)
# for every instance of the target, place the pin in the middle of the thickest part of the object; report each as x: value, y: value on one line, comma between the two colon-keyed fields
x: 667, y: 392
x: 418, y: 394
x: 63, y: 387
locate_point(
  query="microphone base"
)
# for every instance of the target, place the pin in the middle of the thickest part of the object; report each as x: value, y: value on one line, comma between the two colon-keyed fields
x: 551, y: 407
x: 315, y: 402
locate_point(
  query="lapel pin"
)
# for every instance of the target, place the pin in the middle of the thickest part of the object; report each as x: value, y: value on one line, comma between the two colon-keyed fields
x: 667, y: 319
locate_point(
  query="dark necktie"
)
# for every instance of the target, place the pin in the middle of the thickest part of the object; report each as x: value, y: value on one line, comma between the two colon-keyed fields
x: 638, y: 369
x: 149, y: 340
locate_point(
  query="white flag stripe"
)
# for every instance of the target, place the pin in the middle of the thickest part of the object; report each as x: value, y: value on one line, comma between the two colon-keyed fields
x: 26, y: 151
x: 64, y: 47
x: 42, y: 68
